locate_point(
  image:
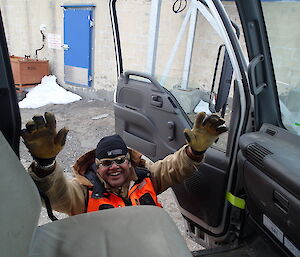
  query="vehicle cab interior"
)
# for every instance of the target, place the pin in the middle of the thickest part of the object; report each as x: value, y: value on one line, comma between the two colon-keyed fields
x: 244, y: 199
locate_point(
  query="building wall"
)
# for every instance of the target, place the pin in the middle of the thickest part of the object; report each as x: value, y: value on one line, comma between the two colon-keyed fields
x: 22, y: 20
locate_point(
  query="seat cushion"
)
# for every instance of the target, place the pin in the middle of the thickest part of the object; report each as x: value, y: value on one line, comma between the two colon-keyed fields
x: 130, y: 231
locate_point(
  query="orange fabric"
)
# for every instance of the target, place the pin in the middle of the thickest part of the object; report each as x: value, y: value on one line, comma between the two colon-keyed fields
x: 134, y: 194
x: 137, y: 191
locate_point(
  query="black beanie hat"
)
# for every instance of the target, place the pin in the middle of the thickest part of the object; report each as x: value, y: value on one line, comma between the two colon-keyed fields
x: 110, y: 147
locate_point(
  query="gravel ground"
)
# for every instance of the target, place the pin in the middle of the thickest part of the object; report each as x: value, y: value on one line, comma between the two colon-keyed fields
x: 88, y: 121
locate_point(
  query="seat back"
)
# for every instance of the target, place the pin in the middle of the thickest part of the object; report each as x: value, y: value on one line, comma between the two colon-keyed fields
x: 132, y: 231
x: 20, y: 204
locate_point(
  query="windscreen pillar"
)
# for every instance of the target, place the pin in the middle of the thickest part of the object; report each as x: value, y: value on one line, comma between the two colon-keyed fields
x: 153, y: 35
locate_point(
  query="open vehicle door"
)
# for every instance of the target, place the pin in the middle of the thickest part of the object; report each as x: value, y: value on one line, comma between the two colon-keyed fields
x: 247, y: 191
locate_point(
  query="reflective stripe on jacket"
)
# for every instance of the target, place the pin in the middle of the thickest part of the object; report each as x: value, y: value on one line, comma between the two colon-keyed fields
x: 141, y: 193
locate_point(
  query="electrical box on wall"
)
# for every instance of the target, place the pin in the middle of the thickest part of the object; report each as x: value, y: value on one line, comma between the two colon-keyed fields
x: 28, y: 72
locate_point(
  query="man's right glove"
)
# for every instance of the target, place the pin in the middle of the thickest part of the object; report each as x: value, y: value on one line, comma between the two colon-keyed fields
x: 205, y: 132
x: 41, y: 139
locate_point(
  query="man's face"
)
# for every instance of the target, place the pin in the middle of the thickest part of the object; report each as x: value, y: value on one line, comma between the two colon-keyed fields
x: 114, y: 171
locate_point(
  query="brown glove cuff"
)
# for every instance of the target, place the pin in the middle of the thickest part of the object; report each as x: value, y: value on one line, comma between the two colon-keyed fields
x: 194, y: 157
x: 44, y: 167
x: 44, y: 162
x: 43, y: 171
x: 197, y: 152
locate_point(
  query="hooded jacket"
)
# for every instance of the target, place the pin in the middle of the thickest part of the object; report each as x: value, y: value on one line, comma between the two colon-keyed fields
x: 71, y: 196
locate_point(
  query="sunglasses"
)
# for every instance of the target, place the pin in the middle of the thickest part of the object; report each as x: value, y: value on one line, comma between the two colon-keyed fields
x: 109, y: 163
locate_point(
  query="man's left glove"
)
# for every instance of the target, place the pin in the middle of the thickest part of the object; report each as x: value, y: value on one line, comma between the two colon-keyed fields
x: 206, y: 130
x: 41, y: 139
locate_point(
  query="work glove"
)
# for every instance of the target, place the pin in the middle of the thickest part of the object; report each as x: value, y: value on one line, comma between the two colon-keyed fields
x: 205, y: 132
x: 41, y: 139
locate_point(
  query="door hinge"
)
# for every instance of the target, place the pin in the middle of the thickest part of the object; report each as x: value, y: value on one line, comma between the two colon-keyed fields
x: 65, y: 47
x: 91, y: 23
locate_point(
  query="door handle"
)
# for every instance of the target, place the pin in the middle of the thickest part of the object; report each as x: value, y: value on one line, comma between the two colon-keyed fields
x: 171, y: 126
x: 156, y: 101
x: 65, y: 47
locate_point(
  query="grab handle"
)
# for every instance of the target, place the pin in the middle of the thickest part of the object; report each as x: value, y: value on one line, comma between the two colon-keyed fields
x: 127, y: 74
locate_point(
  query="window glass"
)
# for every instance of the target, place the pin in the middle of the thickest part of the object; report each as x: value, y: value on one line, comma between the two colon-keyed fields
x: 195, y: 81
x: 203, y: 87
x: 282, y: 22
x: 133, y: 31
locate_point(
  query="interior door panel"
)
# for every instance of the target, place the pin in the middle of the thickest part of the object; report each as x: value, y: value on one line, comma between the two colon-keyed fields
x: 150, y: 120
x: 270, y: 165
x: 148, y: 117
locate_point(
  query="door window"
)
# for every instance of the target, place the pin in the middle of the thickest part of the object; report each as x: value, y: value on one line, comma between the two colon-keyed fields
x: 282, y: 23
x: 208, y: 85
x: 191, y: 61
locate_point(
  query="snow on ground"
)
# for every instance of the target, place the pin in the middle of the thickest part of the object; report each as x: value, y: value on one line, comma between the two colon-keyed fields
x: 48, y: 92
x: 202, y: 107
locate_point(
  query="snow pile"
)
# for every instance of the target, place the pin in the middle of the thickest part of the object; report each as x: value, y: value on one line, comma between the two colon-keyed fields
x: 202, y: 107
x: 48, y: 92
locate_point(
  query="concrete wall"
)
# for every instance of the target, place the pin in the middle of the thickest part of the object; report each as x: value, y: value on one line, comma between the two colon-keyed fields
x: 22, y: 20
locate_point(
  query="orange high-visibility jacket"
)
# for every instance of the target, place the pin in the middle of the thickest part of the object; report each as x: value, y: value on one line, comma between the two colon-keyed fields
x: 141, y: 193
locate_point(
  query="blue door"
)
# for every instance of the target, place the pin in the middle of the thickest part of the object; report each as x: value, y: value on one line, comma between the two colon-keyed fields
x: 77, y: 46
